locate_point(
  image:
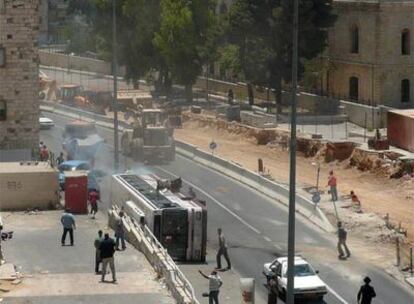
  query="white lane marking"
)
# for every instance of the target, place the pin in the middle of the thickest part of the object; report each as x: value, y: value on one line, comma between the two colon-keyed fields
x: 342, y: 300
x: 266, y: 238
x: 214, y: 200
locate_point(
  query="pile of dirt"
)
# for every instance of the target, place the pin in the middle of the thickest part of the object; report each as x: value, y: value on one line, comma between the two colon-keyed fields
x: 382, y: 164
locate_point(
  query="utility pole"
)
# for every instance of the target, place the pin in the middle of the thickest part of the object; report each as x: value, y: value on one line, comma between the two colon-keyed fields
x: 115, y: 93
x: 292, y: 178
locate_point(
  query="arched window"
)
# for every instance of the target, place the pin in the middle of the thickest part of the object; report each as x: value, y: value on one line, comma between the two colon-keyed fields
x: 405, y: 90
x: 405, y: 42
x: 354, y: 39
x: 353, y: 88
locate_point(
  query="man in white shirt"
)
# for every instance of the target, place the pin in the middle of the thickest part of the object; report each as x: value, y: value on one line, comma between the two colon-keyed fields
x: 214, y: 284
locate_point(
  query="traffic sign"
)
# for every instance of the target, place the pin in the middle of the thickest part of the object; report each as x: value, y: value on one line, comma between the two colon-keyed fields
x: 213, y: 145
x: 316, y: 197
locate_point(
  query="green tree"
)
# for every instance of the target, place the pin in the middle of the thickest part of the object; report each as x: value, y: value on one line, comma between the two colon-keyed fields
x: 263, y: 30
x: 185, y: 38
x: 137, y: 22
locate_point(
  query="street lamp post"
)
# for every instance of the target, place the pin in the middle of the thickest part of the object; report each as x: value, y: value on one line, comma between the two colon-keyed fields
x: 292, y: 178
x: 115, y: 93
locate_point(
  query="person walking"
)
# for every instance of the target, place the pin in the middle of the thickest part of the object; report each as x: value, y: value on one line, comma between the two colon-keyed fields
x: 97, y: 244
x: 60, y: 159
x: 222, y: 250
x: 107, y: 250
x: 332, y: 183
x: 119, y: 231
x: 342, y: 235
x: 366, y: 292
x: 93, y: 201
x: 214, y: 284
x: 68, y: 223
x: 272, y: 290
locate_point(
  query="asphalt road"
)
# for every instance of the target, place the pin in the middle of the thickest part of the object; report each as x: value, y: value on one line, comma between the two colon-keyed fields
x: 256, y: 227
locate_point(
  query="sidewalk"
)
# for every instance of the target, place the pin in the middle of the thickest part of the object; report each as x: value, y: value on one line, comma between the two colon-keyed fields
x: 230, y: 291
x: 53, y: 274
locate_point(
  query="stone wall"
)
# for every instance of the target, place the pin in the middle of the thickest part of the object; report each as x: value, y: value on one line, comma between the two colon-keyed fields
x: 19, y: 26
x: 77, y: 63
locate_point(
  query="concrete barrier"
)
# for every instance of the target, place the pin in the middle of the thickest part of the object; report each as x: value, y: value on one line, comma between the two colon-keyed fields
x: 270, y: 188
x: 143, y: 240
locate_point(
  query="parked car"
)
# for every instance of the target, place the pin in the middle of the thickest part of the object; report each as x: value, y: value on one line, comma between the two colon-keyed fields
x: 308, y: 285
x: 79, y: 165
x: 45, y: 123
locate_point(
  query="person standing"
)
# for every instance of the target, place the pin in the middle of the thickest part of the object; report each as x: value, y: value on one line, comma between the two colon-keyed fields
x: 2, y: 261
x: 68, y: 223
x: 97, y: 244
x: 272, y: 290
x: 366, y: 292
x: 119, y: 231
x: 222, y: 250
x: 230, y: 97
x: 60, y: 159
x: 93, y: 201
x: 332, y: 183
x: 44, y: 153
x: 214, y: 285
x: 107, y: 250
x: 342, y: 235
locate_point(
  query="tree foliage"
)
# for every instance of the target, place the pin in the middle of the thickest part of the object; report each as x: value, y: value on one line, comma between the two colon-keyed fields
x: 263, y: 32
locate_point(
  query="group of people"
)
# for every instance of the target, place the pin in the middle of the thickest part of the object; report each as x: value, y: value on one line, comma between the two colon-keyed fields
x: 105, y: 246
x: 332, y: 184
x: 45, y: 155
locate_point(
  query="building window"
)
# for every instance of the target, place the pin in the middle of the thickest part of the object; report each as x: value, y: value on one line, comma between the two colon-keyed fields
x: 405, y: 90
x: 2, y: 56
x: 353, y: 88
x: 355, y: 40
x: 405, y: 42
x: 3, y: 110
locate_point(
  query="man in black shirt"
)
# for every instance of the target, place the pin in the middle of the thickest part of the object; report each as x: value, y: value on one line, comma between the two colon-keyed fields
x: 107, y: 249
x: 366, y: 292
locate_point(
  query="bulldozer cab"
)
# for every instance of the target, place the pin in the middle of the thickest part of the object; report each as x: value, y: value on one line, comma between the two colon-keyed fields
x: 70, y: 91
x: 153, y: 117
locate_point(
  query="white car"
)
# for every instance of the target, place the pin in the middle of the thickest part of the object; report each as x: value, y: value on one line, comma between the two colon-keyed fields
x: 307, y: 284
x: 45, y: 123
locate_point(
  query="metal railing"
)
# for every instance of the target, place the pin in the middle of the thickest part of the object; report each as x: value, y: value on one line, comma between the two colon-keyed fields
x: 178, y: 277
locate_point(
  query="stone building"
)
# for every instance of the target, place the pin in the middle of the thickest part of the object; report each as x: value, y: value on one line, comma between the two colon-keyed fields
x: 371, y: 52
x: 19, y: 108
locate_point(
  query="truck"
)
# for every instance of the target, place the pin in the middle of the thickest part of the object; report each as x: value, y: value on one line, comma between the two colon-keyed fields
x: 150, y: 138
x: 81, y: 141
